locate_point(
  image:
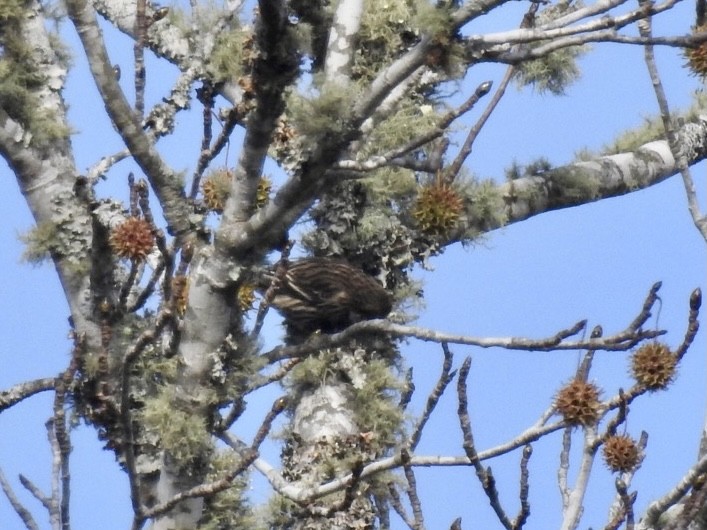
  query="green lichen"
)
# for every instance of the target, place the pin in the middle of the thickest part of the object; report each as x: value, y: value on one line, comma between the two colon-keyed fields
x: 183, y: 434
x: 229, y: 508
x: 322, y: 113
x: 557, y: 70
x: 533, y: 169
x: 413, y: 117
x: 574, y: 184
x: 553, y: 73
x: 11, y: 10
x: 226, y: 62
x: 386, y: 31
x: 651, y: 129
x: 485, y: 205
x: 391, y: 183
x: 40, y: 242
x: 22, y: 78
x: 374, y: 386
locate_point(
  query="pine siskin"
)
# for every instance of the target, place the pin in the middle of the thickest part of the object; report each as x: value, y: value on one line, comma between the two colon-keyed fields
x: 328, y: 295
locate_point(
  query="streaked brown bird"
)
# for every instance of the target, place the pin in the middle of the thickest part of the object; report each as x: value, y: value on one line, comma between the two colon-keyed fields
x: 327, y: 294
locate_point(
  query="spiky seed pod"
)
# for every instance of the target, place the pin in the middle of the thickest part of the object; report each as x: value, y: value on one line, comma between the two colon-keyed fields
x: 245, y: 296
x: 328, y: 295
x: 697, y: 57
x: 180, y: 293
x: 653, y: 365
x: 217, y: 188
x: 263, y: 194
x: 132, y: 239
x: 620, y: 453
x: 578, y: 403
x: 437, y: 208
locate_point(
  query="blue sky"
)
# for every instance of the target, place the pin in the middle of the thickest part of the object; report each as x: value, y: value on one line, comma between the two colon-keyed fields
x: 597, y: 262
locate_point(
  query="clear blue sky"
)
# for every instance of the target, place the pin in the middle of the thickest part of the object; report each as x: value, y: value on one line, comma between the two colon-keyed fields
x: 597, y: 262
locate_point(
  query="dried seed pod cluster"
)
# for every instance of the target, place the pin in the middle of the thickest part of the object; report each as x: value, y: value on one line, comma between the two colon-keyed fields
x: 180, y: 293
x: 653, y: 365
x: 132, y: 239
x: 216, y: 189
x: 245, y: 296
x: 578, y: 403
x: 697, y: 57
x: 620, y: 453
x: 437, y: 208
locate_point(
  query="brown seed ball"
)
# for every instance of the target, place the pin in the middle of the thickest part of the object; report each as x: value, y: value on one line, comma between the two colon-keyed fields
x: 578, y: 403
x: 246, y: 296
x: 620, y: 453
x: 437, y: 208
x: 217, y: 188
x: 132, y: 239
x: 180, y: 293
x: 697, y: 57
x: 653, y: 365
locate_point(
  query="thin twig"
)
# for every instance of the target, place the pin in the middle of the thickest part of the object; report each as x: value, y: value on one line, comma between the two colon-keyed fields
x: 206, y: 95
x: 280, y: 271
x: 55, y: 498
x: 485, y: 476
x: 139, y: 54
x: 394, y: 155
x: 693, y: 206
x: 572, y: 512
x: 277, y: 375
x: 144, y: 294
x: 586, y: 366
x: 451, y: 172
x: 660, y: 506
x: 444, y: 379
x: 19, y: 508
x: 397, y: 504
x: 621, y: 341
x: 628, y: 499
x: 36, y: 492
x: 130, y: 282
x: 619, y: 418
x: 415, y: 504
x: 524, y: 490
x: 563, y: 470
x: 62, y: 447
x: 693, y: 324
x: 350, y: 493
x: 407, y: 391
x: 229, y: 124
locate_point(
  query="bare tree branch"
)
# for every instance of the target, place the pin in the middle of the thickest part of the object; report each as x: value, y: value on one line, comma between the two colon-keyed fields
x: 444, y: 379
x: 700, y: 220
x: 485, y: 475
x: 660, y: 506
x: 165, y: 182
x: 19, y: 508
x: 21, y: 391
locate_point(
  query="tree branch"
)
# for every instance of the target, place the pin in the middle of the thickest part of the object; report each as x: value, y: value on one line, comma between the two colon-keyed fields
x: 19, y: 508
x: 164, y: 181
x: 21, y: 391
x: 586, y: 182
